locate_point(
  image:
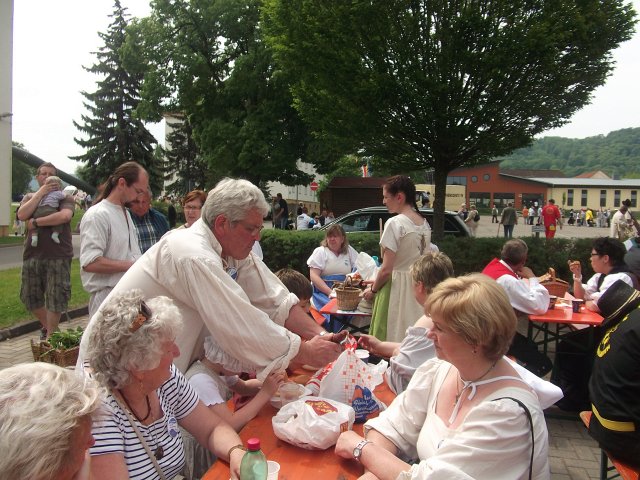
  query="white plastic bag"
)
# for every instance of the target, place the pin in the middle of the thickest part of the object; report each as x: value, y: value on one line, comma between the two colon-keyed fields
x: 314, y: 423
x: 366, y: 266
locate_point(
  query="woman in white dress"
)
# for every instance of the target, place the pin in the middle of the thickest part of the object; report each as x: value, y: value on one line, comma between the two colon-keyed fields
x: 406, y: 236
x: 329, y: 263
x: 466, y: 414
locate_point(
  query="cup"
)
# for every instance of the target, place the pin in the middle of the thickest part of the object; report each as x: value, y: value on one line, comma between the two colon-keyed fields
x: 289, y: 392
x: 576, y: 304
x: 552, y: 301
x: 273, y: 470
x: 363, y: 355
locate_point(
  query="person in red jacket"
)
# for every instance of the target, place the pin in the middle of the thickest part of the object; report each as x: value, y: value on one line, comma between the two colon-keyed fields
x: 551, y: 218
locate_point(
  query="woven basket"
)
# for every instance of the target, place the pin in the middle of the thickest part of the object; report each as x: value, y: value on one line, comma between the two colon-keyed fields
x: 42, y: 352
x: 556, y: 287
x: 348, y: 297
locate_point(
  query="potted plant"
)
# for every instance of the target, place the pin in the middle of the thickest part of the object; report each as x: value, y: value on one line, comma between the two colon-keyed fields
x: 61, y: 348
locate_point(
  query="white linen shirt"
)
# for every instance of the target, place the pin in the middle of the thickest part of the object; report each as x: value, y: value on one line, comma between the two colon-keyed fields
x: 591, y: 291
x: 245, y: 317
x: 493, y: 442
x: 106, y: 230
x: 525, y: 295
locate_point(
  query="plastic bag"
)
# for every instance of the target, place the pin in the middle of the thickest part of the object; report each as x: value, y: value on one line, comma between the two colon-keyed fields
x: 314, y: 423
x: 366, y: 266
x: 351, y: 381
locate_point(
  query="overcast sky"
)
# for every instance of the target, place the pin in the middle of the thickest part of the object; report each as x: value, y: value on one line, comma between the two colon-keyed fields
x: 53, y: 40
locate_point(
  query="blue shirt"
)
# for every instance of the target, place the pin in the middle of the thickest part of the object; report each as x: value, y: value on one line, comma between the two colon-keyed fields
x: 151, y: 227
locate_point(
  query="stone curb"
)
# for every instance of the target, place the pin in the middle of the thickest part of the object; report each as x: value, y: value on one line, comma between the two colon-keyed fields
x: 33, y: 325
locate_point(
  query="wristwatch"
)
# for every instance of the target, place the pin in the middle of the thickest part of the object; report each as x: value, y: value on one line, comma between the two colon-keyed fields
x: 34, y: 223
x: 357, y: 451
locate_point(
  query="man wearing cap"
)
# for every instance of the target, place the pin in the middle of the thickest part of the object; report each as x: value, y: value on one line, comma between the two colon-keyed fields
x: 621, y: 222
x: 551, y: 218
x: 614, y: 387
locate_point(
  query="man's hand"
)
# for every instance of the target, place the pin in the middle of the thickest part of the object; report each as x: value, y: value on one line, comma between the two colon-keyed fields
x: 526, y: 272
x: 319, y: 351
x: 335, y: 337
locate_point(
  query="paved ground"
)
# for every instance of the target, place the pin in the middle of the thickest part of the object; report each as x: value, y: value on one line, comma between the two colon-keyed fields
x: 573, y: 455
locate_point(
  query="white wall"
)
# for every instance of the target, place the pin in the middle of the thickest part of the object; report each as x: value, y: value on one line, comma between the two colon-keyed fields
x: 6, y: 62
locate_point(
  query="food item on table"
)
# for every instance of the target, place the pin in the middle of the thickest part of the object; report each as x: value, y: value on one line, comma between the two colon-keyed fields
x: 572, y: 263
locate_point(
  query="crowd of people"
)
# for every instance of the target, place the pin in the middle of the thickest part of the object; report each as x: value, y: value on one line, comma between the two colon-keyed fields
x: 177, y: 315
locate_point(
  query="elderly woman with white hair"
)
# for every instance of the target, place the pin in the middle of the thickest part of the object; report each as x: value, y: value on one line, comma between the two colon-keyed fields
x: 45, y: 422
x: 467, y: 414
x: 130, y: 351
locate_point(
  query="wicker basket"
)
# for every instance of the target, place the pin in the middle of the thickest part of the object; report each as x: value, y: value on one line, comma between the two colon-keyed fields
x: 42, y: 352
x: 556, y: 287
x: 348, y: 298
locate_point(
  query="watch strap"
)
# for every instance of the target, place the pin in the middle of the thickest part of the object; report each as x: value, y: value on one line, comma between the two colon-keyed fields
x: 357, y: 451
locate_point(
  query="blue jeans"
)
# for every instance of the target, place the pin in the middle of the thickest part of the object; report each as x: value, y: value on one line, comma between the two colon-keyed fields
x: 508, y: 231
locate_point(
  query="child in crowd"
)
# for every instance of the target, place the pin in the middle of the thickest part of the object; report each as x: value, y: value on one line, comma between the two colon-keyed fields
x: 297, y: 284
x: 48, y: 205
x: 214, y: 385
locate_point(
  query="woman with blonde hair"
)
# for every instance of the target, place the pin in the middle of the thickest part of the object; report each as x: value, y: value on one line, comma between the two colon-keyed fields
x: 130, y: 352
x: 466, y: 414
x: 45, y: 422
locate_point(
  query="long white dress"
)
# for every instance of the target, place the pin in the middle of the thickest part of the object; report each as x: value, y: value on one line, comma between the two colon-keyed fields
x: 409, y: 241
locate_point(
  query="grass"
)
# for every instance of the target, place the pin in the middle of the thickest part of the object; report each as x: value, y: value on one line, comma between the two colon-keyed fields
x: 13, y: 311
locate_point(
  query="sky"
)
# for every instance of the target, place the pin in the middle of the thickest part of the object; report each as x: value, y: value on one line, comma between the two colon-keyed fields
x: 54, y: 40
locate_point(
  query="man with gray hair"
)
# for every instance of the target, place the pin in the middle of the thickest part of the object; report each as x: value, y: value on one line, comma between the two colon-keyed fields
x: 224, y: 290
x: 525, y: 292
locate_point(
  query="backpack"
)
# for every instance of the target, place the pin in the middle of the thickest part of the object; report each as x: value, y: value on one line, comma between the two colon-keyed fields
x: 477, y: 219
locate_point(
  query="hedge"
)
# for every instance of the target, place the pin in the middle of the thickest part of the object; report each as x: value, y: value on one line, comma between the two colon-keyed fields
x: 286, y: 248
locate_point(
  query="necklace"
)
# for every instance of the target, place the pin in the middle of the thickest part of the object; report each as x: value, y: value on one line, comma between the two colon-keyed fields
x: 131, y: 409
x: 159, y: 451
x: 467, y: 383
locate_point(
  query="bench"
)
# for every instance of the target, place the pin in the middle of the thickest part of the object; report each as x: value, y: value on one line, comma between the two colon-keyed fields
x: 617, y: 469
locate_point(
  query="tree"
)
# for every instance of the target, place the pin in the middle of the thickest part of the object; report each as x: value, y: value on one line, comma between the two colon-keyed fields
x: 184, y: 165
x: 21, y: 175
x: 208, y: 61
x: 112, y: 132
x: 442, y: 83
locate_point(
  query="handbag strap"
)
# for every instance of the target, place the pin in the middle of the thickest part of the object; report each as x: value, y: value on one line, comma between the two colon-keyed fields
x: 140, y: 437
x: 533, y: 442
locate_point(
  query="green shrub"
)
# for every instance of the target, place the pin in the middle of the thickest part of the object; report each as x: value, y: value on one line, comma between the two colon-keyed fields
x: 285, y: 248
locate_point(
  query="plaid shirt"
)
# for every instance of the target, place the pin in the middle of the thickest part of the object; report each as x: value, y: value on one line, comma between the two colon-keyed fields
x: 151, y: 227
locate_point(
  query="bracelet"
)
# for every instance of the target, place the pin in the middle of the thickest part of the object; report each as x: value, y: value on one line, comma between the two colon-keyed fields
x: 577, y: 279
x: 240, y: 446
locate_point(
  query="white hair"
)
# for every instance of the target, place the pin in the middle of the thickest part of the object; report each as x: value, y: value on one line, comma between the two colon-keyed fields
x: 233, y: 198
x: 41, y: 408
x: 114, y: 350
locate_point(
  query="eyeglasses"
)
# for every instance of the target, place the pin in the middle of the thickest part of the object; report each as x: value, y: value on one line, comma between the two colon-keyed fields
x: 192, y: 208
x: 253, y: 230
x: 143, y: 315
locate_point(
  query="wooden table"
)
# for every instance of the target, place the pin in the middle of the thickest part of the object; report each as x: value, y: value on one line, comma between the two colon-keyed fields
x: 564, y: 320
x: 297, y: 463
x: 331, y: 309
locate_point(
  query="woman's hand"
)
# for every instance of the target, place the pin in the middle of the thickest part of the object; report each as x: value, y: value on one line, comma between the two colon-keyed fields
x: 369, y: 342
x: 368, y: 294
x: 575, y: 267
x: 272, y: 382
x: 347, y: 441
x: 234, y: 463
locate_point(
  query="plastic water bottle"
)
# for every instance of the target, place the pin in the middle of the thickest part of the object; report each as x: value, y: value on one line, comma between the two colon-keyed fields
x: 375, y: 259
x: 254, y: 463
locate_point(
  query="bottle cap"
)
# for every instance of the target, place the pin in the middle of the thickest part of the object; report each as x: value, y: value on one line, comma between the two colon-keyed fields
x: 253, y: 444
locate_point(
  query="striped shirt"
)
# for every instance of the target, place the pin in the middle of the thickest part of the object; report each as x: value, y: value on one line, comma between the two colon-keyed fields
x: 113, y: 432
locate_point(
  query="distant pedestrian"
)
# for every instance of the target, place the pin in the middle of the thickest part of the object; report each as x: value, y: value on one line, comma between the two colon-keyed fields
x: 551, y: 218
x: 494, y: 214
x: 509, y: 220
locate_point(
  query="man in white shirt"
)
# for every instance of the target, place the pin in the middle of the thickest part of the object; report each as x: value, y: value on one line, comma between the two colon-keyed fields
x: 525, y: 292
x: 108, y: 238
x: 225, y: 291
x: 621, y: 222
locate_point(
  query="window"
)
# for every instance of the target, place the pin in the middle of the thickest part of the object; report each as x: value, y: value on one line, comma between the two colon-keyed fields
x: 456, y: 180
x: 634, y: 198
x: 570, y: 197
x: 529, y: 198
x: 480, y: 199
x: 486, y: 177
x: 603, y: 198
x: 616, y: 198
x: 583, y: 198
x: 474, y: 179
x: 502, y: 199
